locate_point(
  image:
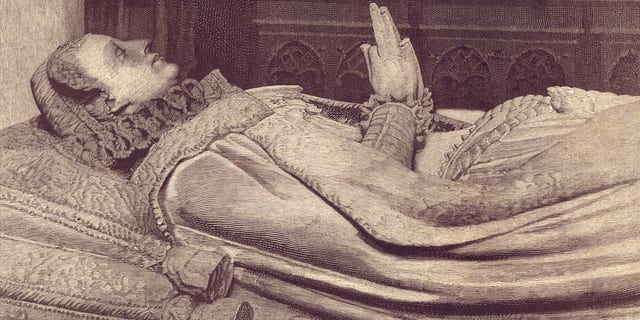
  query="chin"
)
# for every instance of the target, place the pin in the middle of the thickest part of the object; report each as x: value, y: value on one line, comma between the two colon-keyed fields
x: 164, y: 80
x: 168, y: 71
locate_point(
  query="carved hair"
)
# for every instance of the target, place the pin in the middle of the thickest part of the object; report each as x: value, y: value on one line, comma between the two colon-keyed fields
x: 63, y: 67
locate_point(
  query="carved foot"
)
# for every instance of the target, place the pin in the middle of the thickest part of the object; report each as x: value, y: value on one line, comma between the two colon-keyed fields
x: 204, y: 274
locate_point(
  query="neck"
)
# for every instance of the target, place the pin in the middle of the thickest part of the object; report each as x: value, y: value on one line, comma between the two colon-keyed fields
x: 129, y: 132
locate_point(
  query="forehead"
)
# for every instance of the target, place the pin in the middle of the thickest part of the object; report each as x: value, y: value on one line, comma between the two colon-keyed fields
x: 95, y: 45
x: 95, y: 55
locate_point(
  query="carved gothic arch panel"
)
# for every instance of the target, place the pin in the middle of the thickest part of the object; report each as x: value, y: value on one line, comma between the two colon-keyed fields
x: 625, y: 74
x: 532, y: 73
x: 352, y: 81
x: 462, y: 79
x: 298, y: 63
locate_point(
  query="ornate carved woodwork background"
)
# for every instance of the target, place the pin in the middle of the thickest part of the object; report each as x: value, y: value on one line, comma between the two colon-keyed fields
x: 474, y: 54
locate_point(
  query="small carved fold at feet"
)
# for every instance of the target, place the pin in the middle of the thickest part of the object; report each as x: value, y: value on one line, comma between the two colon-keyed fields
x: 184, y: 307
x: 225, y: 309
x: 206, y: 275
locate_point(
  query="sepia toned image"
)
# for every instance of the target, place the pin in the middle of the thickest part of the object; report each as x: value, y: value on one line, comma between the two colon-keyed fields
x: 239, y: 160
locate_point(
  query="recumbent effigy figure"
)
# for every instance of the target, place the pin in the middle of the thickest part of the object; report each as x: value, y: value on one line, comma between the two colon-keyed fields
x: 529, y: 209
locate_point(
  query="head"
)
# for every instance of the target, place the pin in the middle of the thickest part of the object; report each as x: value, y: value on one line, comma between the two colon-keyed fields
x: 124, y: 71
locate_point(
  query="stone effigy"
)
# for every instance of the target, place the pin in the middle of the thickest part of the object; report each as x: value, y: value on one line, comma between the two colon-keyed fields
x: 527, y: 214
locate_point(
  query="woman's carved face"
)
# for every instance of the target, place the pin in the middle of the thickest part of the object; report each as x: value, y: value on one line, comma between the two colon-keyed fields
x: 130, y: 73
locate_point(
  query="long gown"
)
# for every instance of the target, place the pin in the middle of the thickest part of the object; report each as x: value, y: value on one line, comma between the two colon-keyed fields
x: 563, y: 185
